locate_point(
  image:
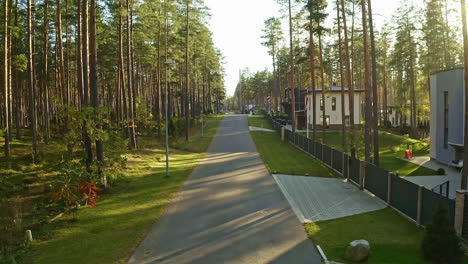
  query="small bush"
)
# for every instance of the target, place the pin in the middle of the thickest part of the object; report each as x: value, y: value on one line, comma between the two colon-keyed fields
x: 441, y: 171
x: 441, y: 244
x: 395, y: 149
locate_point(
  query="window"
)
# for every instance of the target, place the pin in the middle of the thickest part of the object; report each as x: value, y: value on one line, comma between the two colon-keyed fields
x: 333, y: 103
x: 446, y: 119
x: 327, y: 121
x: 321, y: 103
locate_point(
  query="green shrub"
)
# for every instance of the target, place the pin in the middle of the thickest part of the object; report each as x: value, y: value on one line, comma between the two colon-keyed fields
x: 440, y: 244
x: 441, y: 171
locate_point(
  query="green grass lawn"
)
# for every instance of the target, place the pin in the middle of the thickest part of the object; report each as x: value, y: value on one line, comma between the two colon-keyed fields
x: 392, y: 238
x: 391, y: 148
x: 110, y: 232
x: 284, y: 158
x: 262, y: 122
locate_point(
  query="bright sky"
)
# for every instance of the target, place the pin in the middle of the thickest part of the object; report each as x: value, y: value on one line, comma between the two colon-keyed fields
x: 237, y: 30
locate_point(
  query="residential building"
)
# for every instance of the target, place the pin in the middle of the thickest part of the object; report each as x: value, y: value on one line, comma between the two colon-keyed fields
x: 333, y: 107
x: 447, y: 116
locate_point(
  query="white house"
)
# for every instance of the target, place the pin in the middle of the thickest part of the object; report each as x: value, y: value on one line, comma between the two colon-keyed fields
x: 447, y: 116
x: 333, y: 107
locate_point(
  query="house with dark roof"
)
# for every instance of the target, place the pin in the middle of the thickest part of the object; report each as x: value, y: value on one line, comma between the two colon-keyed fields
x: 333, y: 116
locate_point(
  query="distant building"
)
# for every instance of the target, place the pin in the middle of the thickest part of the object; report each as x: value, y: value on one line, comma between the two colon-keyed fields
x: 447, y: 116
x: 333, y: 107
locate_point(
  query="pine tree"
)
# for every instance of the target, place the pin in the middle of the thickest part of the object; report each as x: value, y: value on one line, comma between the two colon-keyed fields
x: 441, y: 244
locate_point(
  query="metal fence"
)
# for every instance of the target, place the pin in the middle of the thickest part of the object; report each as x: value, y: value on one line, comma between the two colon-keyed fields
x: 415, y: 202
x: 429, y: 203
x: 337, y: 161
x: 327, y: 155
x: 376, y: 181
x: 354, y: 170
x: 442, y: 189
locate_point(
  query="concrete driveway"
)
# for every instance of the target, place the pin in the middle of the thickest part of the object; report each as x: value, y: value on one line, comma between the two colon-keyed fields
x: 316, y: 199
x: 229, y: 211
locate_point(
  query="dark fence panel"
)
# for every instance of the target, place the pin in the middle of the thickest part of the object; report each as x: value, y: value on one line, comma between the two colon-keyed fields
x: 318, y: 151
x: 303, y: 142
x: 346, y: 165
x: 376, y: 181
x: 327, y: 155
x: 404, y: 196
x: 311, y: 147
x: 354, y: 170
x: 337, y: 163
x: 430, y: 200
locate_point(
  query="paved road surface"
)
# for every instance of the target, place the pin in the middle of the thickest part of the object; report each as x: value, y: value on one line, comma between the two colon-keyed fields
x: 229, y: 211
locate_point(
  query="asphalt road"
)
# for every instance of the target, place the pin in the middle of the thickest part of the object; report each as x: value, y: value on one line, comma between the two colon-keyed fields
x: 229, y: 211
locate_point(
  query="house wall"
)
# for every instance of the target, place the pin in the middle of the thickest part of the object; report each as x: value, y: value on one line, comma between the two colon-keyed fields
x: 451, y: 82
x: 335, y: 115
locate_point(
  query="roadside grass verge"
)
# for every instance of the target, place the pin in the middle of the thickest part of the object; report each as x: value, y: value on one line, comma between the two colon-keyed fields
x: 391, y: 148
x: 392, y: 238
x: 110, y: 232
x: 262, y: 122
x: 283, y: 158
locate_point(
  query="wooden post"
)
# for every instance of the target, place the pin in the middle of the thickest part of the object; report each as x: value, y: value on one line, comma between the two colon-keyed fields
x: 362, y: 174
x: 460, y: 211
x: 282, y: 133
x: 419, y: 211
x: 389, y: 189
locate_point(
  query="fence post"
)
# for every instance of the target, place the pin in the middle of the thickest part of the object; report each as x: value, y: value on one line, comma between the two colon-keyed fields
x: 420, y: 203
x: 362, y: 174
x: 343, y: 164
x: 460, y: 211
x: 389, y: 189
x: 282, y: 133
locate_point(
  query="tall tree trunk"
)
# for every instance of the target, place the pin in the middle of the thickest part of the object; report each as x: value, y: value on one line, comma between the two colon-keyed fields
x: 158, y: 89
x: 385, y: 95
x: 6, y: 87
x: 349, y: 79
x: 375, y: 120
x: 312, y: 80
x: 133, y: 143
x: 465, y: 48
x: 368, y: 102
x: 60, y: 63
x: 187, y: 80
x: 85, y: 65
x: 32, y: 82
x: 322, y: 80
x: 340, y: 56
x: 291, y: 73
x: 17, y: 82
x: 79, y: 53
x: 94, y: 83
x: 45, y: 72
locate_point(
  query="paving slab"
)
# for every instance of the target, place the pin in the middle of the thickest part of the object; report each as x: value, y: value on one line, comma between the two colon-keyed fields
x: 230, y: 210
x: 316, y: 199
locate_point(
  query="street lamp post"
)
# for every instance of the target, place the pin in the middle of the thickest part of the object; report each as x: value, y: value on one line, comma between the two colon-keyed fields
x: 167, y: 117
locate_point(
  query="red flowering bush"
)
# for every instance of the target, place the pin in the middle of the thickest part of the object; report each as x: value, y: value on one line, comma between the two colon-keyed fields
x: 76, y: 188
